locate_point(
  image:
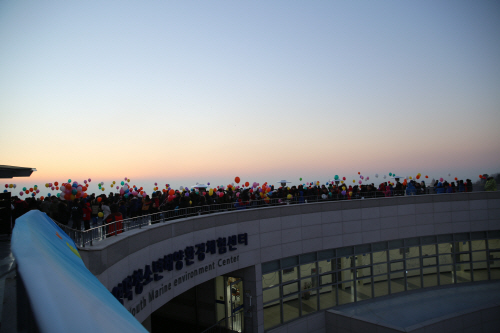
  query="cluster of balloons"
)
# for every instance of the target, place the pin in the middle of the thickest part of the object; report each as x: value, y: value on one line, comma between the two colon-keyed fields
x: 72, y: 191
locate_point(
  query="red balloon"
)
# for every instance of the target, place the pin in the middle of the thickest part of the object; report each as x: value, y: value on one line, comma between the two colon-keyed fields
x: 57, y: 188
x: 99, y: 199
x: 31, y: 189
x: 27, y: 191
x: 171, y: 192
x: 237, y: 180
x: 246, y: 184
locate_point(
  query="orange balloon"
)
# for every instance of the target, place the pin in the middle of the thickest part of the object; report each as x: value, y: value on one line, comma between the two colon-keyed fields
x: 99, y: 199
x: 171, y: 192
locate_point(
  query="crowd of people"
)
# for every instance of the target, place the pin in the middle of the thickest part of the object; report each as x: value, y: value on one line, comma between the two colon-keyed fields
x: 113, y: 207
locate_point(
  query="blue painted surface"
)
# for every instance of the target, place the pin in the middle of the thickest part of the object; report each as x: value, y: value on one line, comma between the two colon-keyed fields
x: 64, y: 295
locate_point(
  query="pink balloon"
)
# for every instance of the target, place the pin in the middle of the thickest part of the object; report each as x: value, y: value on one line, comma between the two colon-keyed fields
x: 37, y: 191
x: 89, y: 180
x: 52, y: 188
x: 21, y: 193
x: 440, y: 179
x: 360, y: 182
x: 85, y: 181
x: 117, y: 187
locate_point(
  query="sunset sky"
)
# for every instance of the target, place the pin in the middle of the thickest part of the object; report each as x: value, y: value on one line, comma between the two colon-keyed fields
x: 181, y: 92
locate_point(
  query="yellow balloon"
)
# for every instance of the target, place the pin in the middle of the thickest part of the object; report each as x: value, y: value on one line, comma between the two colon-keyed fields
x: 410, y: 177
x: 12, y: 185
x: 128, y: 180
x: 100, y: 214
x: 353, y: 181
x: 190, y: 202
x: 342, y: 181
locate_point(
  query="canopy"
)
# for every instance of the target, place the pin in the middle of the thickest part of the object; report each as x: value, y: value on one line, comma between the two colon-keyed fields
x: 7, y: 171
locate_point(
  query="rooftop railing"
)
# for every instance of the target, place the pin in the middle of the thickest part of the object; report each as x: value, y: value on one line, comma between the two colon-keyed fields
x: 101, y: 230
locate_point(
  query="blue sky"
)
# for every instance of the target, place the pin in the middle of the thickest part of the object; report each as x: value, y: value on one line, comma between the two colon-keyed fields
x: 211, y: 90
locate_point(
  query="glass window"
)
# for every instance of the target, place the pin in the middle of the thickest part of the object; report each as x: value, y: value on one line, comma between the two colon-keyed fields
x: 445, y: 248
x: 495, y: 269
x: 379, y: 257
x: 270, y: 279
x: 271, y: 294
x: 309, y: 302
x: 430, y: 277
x: 396, y: 254
x: 380, y: 269
x: 445, y: 259
x: 325, y: 266
x: 364, y: 289
x: 289, y: 274
x: 413, y: 263
x: 308, y: 269
x: 478, y: 245
x: 431, y: 261
x: 413, y: 252
x: 397, y: 282
x: 309, y: 283
x: 493, y: 244
x: 397, y: 266
x: 343, y: 263
x: 363, y: 260
x: 363, y: 272
x: 494, y: 255
x: 428, y: 250
x: 463, y: 273
x: 346, y: 292
x: 463, y: 257
x: 479, y: 256
x: 345, y: 275
x: 327, y: 279
x: 272, y: 314
x: 291, y: 308
x: 380, y: 286
x: 327, y: 297
x: 462, y: 246
x: 446, y: 275
x: 413, y: 280
x: 480, y: 271
x: 290, y: 288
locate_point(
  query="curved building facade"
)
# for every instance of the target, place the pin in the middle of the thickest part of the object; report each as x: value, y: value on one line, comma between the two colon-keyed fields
x: 295, y: 262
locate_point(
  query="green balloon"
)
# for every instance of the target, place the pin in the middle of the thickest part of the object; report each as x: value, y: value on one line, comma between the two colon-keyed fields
x: 69, y: 180
x: 300, y: 179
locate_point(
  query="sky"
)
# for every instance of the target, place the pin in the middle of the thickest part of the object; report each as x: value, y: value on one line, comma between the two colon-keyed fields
x: 181, y: 92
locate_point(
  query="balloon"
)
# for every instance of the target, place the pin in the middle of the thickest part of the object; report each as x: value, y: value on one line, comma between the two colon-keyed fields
x: 237, y: 180
x: 367, y: 178
x: 100, y: 214
x: 324, y: 196
x: 85, y: 181
x: 156, y: 184
x: 187, y: 194
x: 353, y: 181
x: 31, y: 189
x: 336, y: 177
x: 359, y: 173
x: 56, y: 183
x: 426, y: 176
x: 117, y: 187
x: 57, y: 188
x: 99, y: 199
x: 221, y: 194
x: 58, y: 195
x: 385, y: 176
x: 456, y: 178
x: 342, y: 181
x: 300, y: 179
x: 247, y: 184
x: 289, y: 196
x: 69, y: 180
x: 376, y: 175
x: 208, y: 183
x: 449, y: 175
x: 90, y: 180
x: 343, y: 192
x: 343, y: 178
x: 441, y: 179
x: 360, y: 182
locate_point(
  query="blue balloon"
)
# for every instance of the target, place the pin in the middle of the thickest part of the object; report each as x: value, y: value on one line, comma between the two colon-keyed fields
x: 5, y: 191
x: 49, y: 195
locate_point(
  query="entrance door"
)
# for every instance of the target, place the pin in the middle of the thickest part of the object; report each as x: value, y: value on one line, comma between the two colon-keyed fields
x: 234, y: 300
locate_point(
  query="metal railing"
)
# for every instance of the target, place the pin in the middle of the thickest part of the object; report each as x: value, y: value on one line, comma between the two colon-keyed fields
x: 228, y: 324
x: 100, y: 230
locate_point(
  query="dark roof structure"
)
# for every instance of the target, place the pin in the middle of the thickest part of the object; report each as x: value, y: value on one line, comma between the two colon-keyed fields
x: 7, y: 171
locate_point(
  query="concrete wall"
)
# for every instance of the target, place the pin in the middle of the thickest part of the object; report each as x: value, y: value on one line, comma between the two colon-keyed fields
x: 279, y: 232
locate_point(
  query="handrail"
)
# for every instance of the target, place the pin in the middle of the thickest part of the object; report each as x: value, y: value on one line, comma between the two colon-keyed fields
x: 102, y: 231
